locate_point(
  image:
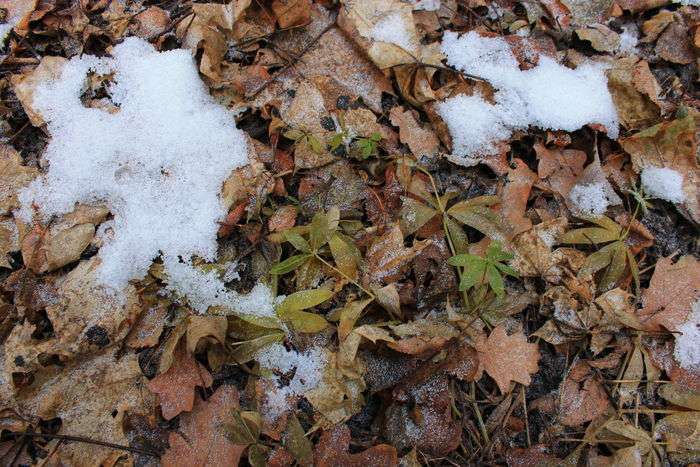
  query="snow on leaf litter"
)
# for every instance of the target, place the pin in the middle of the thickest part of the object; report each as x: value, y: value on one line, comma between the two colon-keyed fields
x: 158, y: 162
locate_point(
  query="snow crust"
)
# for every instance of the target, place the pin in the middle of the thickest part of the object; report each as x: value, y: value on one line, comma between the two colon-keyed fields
x: 158, y: 163
x: 549, y: 96
x: 308, y: 372
x: 590, y: 198
x: 687, y: 348
x: 663, y: 183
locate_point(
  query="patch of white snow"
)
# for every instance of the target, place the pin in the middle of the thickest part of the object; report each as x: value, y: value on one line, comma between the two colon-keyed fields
x: 663, y: 183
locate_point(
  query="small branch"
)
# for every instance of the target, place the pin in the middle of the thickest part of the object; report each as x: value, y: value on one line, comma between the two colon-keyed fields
x: 80, y: 439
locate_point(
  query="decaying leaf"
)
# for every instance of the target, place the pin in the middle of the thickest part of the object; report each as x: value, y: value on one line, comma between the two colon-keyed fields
x: 201, y: 439
x: 420, y: 141
x: 507, y: 358
x: 387, y: 257
x: 672, y: 290
x: 176, y: 386
x: 581, y: 396
x: 13, y: 177
x: 332, y: 450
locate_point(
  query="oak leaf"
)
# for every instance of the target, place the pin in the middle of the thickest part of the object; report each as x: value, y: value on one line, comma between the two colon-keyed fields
x: 176, y: 386
x: 507, y: 358
x: 672, y: 291
x: 202, y: 439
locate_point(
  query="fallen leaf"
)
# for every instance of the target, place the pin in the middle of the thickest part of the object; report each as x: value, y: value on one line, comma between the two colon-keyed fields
x: 674, y: 44
x: 284, y: 218
x: 558, y: 169
x: 387, y: 257
x: 507, y: 358
x: 332, y: 450
x: 25, y: 85
x: 672, y: 290
x: 151, y: 22
x: 581, y: 396
x: 201, y: 439
x: 601, y: 37
x: 515, y: 195
x: 292, y: 13
x: 420, y: 141
x: 176, y: 386
x: 635, y: 92
x: 13, y: 177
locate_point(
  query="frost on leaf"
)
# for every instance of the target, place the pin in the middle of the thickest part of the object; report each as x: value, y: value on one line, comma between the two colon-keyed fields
x: 507, y: 358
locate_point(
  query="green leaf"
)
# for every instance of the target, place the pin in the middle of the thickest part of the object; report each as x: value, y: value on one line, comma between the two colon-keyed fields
x: 505, y: 269
x: 466, y: 260
x: 304, y: 300
x: 597, y: 261
x: 295, y: 441
x: 294, y: 135
x: 496, y: 253
x: 616, y: 268
x: 346, y: 255
x: 290, y: 264
x: 589, y: 235
x: 349, y: 315
x: 484, y: 200
x: 257, y: 455
x: 479, y: 217
x: 303, y: 321
x: 414, y: 215
x: 314, y: 144
x: 319, y: 231
x: 459, y: 238
x: 495, y: 280
x: 336, y: 141
x: 376, y: 137
x: 238, y: 431
x: 246, y: 351
x: 296, y: 240
x: 473, y: 275
x: 608, y: 224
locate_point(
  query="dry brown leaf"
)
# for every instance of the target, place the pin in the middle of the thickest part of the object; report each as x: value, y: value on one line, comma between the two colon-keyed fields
x: 147, y: 330
x: 581, y: 396
x: 653, y: 27
x: 211, y: 328
x: 64, y: 241
x: 674, y: 44
x: 332, y: 450
x: 19, y: 12
x: 176, y: 386
x: 201, y: 439
x: 292, y: 13
x: 585, y: 12
x: 559, y: 168
x: 24, y: 85
x: 533, y: 248
x: 635, y: 92
x: 601, y: 37
x: 507, y: 358
x: 151, y: 22
x: 91, y: 396
x: 9, y: 240
x: 672, y: 290
x: 672, y: 145
x: 635, y: 6
x: 420, y: 141
x: 76, y: 330
x: 284, y: 218
x: 13, y: 177
x: 515, y: 196
x: 387, y: 257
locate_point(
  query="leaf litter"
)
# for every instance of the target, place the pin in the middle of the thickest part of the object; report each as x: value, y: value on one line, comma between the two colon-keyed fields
x: 300, y: 232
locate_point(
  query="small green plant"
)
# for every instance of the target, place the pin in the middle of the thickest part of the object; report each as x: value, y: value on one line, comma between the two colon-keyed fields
x: 641, y: 198
x: 489, y: 268
x: 368, y: 146
x: 304, y: 137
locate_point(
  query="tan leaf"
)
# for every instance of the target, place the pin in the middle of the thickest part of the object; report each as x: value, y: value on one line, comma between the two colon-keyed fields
x: 9, y: 240
x: 200, y: 327
x: 672, y: 290
x: 674, y: 44
x: 19, y: 14
x: 387, y: 257
x: 291, y: 13
x: 151, y: 22
x: 91, y: 395
x: 13, y: 177
x: 601, y: 37
x: 507, y: 358
x: 635, y: 92
x: 283, y: 219
x: 24, y: 85
x: 515, y: 196
x: 201, y: 439
x: 420, y: 141
x: 176, y: 386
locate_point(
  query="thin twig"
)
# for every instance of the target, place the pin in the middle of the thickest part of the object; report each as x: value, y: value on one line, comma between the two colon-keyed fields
x: 80, y: 439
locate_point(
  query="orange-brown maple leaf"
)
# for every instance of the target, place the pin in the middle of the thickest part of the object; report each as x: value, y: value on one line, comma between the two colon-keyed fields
x: 672, y: 290
x: 332, y: 450
x: 201, y: 439
x: 507, y: 358
x: 175, y: 387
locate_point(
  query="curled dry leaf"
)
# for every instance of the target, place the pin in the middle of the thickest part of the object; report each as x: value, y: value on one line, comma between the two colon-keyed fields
x: 672, y: 290
x: 24, y: 85
x: 201, y: 440
x: 387, y: 257
x: 176, y: 386
x: 516, y: 194
x: 558, y: 169
x: 635, y: 92
x: 507, y: 358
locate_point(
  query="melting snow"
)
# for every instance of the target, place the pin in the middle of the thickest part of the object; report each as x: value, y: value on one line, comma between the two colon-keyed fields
x: 590, y: 198
x: 549, y: 96
x: 394, y: 29
x: 158, y: 163
x: 663, y: 183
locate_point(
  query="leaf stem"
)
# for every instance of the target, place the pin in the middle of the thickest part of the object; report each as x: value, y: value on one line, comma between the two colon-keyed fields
x: 345, y: 276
